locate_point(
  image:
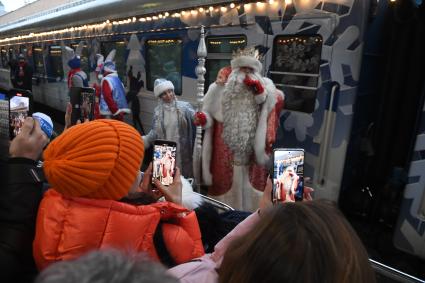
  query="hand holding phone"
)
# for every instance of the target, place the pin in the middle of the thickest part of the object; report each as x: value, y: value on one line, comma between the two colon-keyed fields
x: 19, y: 110
x: 288, y: 175
x: 173, y: 192
x: 164, y: 161
x: 83, y: 101
x: 31, y: 141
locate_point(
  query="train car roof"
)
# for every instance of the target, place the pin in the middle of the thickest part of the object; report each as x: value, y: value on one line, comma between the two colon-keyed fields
x: 43, y: 14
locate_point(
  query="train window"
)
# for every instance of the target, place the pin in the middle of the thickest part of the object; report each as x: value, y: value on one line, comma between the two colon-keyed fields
x: 23, y: 50
x: 120, y: 58
x: 220, y: 50
x: 85, y: 54
x: 225, y: 44
x: 55, y: 66
x: 12, y: 54
x: 37, y: 55
x: 4, y: 59
x: 27, y: 52
x: 163, y: 60
x: 295, y: 69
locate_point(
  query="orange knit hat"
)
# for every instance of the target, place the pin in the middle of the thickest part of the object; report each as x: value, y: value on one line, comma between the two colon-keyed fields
x: 99, y: 159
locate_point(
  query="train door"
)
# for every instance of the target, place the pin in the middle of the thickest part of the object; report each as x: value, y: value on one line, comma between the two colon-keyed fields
x: 315, y: 60
x: 410, y: 232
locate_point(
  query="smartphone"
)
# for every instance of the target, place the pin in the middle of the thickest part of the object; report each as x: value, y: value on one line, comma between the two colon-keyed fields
x: 164, y: 161
x: 19, y: 110
x: 83, y: 101
x: 288, y: 174
x: 4, y: 117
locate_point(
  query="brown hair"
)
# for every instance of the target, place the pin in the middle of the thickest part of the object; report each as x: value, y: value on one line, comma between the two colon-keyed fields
x: 298, y: 242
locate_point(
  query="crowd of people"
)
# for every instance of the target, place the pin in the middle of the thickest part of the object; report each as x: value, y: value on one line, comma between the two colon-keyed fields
x: 88, y: 214
x: 16, y: 121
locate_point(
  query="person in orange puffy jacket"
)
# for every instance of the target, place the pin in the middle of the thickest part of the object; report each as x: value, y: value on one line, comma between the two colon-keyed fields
x: 95, y: 196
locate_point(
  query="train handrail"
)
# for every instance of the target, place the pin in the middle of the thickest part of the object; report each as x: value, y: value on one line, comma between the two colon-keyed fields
x: 328, y: 133
x: 392, y: 273
x: 215, y: 203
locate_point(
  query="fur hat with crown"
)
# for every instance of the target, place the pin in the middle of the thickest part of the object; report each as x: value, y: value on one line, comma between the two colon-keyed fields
x: 248, y: 57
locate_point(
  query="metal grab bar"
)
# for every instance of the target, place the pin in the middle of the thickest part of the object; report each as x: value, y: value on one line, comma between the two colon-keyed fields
x: 298, y: 86
x: 216, y: 203
x: 294, y: 74
x: 392, y: 273
x: 329, y: 124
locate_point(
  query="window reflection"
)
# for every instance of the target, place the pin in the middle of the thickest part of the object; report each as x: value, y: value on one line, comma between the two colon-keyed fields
x: 295, y: 69
x: 120, y: 56
x: 84, y: 57
x: 55, y: 70
x: 220, y: 49
x: 37, y: 53
x: 164, y: 61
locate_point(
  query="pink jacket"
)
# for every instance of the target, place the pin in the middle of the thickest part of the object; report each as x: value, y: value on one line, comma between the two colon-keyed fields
x: 204, y: 268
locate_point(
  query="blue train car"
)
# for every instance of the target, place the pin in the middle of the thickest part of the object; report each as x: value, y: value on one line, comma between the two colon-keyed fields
x: 314, y: 50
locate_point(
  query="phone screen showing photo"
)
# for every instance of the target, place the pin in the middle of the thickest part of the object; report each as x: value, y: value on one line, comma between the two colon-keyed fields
x: 82, y: 100
x: 288, y: 175
x: 19, y: 107
x: 87, y: 96
x: 164, y: 162
x: 4, y: 117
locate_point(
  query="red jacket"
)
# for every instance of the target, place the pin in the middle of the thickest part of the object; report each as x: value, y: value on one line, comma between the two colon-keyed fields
x: 69, y: 227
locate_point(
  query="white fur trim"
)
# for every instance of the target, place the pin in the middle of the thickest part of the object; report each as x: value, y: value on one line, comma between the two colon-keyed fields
x: 109, y: 67
x: 100, y: 59
x: 212, y: 103
x: 242, y: 196
x: 69, y: 52
x: 206, y: 156
x: 213, y: 110
x: 190, y: 200
x: 159, y: 89
x: 261, y: 133
x: 246, y: 61
x: 260, y: 98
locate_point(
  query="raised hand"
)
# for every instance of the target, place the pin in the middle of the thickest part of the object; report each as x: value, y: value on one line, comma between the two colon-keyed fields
x: 29, y: 143
x: 173, y: 192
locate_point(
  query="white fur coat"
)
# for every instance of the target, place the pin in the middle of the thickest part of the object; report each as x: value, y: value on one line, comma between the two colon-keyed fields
x: 213, y: 108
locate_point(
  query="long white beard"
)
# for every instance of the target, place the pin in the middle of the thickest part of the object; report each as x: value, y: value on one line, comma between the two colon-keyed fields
x: 288, y: 182
x: 240, y: 118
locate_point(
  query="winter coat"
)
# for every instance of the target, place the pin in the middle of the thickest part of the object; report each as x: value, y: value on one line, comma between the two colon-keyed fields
x: 20, y: 195
x: 68, y: 227
x: 204, y: 269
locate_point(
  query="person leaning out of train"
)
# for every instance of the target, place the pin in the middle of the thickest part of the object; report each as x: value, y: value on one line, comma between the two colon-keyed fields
x: 21, y: 192
x: 286, y: 242
x: 23, y: 74
x: 99, y: 199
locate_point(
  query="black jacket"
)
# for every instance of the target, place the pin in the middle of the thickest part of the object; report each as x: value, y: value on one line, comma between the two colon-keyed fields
x: 20, y: 195
x: 23, y: 80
